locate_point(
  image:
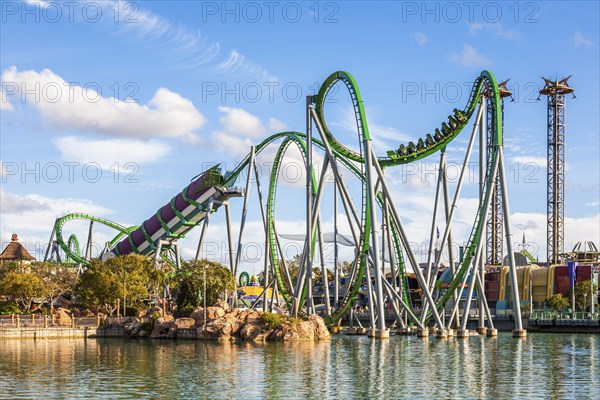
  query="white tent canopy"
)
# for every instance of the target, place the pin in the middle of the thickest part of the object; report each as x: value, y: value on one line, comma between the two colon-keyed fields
x: 342, y: 240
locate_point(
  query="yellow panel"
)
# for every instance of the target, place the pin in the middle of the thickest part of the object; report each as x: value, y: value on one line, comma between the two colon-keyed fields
x: 503, y: 275
x: 540, y: 285
x: 551, y: 277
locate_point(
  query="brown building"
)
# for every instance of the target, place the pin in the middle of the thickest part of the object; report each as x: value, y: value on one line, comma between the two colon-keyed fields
x: 15, y: 251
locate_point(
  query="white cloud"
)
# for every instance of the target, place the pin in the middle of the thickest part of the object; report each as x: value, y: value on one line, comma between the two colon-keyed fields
x: 240, y: 122
x: 416, y: 205
x: 108, y: 152
x: 495, y: 28
x: 4, y: 103
x: 292, y: 172
x: 38, y: 3
x: 384, y: 137
x: 232, y: 145
x: 593, y: 204
x: 413, y: 193
x: 186, y: 47
x: 236, y: 64
x: 215, y: 246
x: 276, y: 125
x: 189, y: 47
x: 32, y: 217
x: 535, y: 160
x: 534, y: 227
x: 420, y: 38
x: 13, y: 204
x: 240, y: 130
x: 580, y: 40
x: 470, y: 57
x: 72, y: 107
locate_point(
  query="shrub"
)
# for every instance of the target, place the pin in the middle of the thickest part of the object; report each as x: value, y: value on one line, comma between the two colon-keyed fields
x: 271, y: 320
x: 147, y: 326
x: 132, y: 312
x: 9, y: 307
x: 557, y: 302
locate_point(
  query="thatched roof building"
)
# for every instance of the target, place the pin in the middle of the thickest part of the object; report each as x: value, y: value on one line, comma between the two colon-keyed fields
x: 15, y: 251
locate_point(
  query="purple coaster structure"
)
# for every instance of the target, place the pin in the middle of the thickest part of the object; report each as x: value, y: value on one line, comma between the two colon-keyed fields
x: 173, y: 220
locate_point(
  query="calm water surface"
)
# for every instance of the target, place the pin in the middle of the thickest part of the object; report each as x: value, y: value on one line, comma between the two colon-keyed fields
x: 543, y: 366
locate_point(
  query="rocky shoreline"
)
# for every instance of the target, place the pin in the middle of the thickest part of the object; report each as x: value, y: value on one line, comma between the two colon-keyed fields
x: 222, y: 323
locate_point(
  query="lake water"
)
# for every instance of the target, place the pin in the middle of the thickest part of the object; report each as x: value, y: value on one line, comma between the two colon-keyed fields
x: 542, y: 366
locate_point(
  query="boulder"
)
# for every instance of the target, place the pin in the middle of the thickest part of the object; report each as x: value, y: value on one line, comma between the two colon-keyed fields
x: 213, y: 313
x: 185, y: 323
x: 320, y: 328
x: 220, y: 329
x: 149, y: 313
x: 222, y: 304
x: 249, y: 316
x: 164, y: 330
x: 198, y: 316
x: 64, y: 317
x: 132, y: 327
x: 254, y: 332
x: 311, y: 329
x: 162, y: 320
x: 293, y: 332
x: 235, y: 312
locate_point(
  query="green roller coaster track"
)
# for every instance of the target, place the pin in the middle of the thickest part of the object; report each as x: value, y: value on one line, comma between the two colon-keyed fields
x: 74, y: 254
x: 349, y: 158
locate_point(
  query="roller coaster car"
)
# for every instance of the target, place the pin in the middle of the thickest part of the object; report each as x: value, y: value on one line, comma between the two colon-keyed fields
x: 429, y: 140
x: 460, y: 116
x: 453, y: 122
x: 402, y: 151
x: 411, y: 148
x: 392, y: 154
x: 438, y: 135
x: 420, y: 145
x: 446, y: 129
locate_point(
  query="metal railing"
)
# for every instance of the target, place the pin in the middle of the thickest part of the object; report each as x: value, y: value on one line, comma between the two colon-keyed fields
x: 45, y: 321
x: 564, y: 315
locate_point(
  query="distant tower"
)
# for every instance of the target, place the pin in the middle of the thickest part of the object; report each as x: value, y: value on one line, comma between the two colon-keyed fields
x: 494, y: 223
x: 556, y: 91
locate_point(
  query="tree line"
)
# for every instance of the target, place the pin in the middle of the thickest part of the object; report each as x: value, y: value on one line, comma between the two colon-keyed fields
x: 132, y: 280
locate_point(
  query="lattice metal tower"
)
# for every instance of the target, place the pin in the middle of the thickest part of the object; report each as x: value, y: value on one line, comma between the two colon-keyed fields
x: 556, y: 91
x: 494, y: 242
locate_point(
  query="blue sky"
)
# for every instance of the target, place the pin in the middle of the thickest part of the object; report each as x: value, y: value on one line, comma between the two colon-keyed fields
x: 113, y: 107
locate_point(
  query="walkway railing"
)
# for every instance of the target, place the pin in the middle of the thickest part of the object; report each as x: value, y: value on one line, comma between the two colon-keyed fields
x: 564, y: 315
x: 45, y: 321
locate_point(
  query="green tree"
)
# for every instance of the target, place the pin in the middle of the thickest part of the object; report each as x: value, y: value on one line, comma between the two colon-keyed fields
x: 347, y: 267
x: 583, y: 294
x: 318, y: 274
x: 21, y: 287
x: 293, y: 267
x: 57, y: 280
x: 99, y: 286
x: 557, y: 302
x: 131, y: 277
x: 10, y: 266
x: 219, y: 279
